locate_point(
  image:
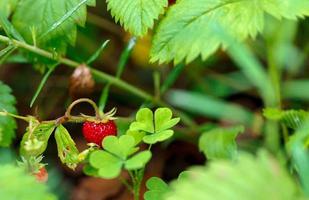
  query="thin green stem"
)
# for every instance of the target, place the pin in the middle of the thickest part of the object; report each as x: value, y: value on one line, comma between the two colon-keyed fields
x: 125, y: 183
x: 101, y: 75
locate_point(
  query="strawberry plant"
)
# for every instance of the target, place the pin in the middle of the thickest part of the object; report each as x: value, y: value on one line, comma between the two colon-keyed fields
x: 190, y: 99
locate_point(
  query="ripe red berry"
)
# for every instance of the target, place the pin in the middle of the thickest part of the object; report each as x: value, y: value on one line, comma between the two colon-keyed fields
x: 42, y: 175
x: 95, y: 132
x: 171, y: 2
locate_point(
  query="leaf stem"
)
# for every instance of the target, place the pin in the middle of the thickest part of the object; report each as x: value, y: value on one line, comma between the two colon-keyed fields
x: 74, y: 103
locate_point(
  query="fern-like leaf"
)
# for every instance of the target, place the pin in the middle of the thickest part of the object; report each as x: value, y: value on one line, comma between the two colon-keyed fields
x: 136, y: 16
x: 34, y: 18
x: 248, y: 178
x: 7, y: 124
x: 190, y: 27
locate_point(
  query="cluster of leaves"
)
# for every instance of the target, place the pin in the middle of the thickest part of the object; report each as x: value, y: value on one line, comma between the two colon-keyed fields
x: 122, y: 152
x: 229, y: 180
x: 182, y: 32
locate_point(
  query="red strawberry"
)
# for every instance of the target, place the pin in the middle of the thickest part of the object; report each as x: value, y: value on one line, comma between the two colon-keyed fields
x: 95, y: 132
x: 42, y: 175
x: 171, y: 2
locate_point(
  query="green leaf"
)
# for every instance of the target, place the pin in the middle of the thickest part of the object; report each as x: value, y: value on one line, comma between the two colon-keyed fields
x: 157, y: 188
x: 136, y: 16
x: 9, y: 28
x: 15, y: 184
x: 182, y: 33
x: 7, y: 6
x: 35, y: 18
x: 138, y: 161
x: 138, y: 135
x: 220, y: 142
x: 34, y: 142
x: 209, y: 106
x: 7, y: 124
x: 155, y: 126
x: 107, y: 164
x: 121, y: 147
x: 250, y: 177
x: 291, y: 118
x: 67, y: 151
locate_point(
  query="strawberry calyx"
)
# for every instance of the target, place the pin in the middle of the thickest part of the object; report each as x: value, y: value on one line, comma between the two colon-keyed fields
x: 35, y: 167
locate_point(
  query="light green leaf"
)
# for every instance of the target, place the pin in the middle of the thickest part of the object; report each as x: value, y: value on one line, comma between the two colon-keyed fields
x: 7, y: 124
x: 144, y: 121
x: 67, y: 151
x: 183, y: 33
x: 157, y: 188
x: 34, y: 143
x: 7, y: 6
x: 291, y: 118
x: 107, y: 164
x: 136, y: 16
x: 248, y: 178
x: 220, y: 142
x: 121, y: 147
x: 34, y: 18
x: 155, y: 126
x: 158, y: 137
x: 15, y: 184
x: 138, y: 161
x: 163, y: 119
x: 138, y: 135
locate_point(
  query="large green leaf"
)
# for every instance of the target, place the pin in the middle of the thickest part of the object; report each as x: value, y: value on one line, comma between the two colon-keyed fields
x: 220, y: 142
x: 15, y: 184
x: 35, y: 18
x: 136, y: 16
x: 188, y: 30
x: 7, y: 124
x: 7, y: 6
x: 157, y: 188
x: 250, y: 177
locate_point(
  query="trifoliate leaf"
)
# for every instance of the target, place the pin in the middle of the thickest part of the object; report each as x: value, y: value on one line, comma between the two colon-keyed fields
x: 67, y: 151
x: 291, y: 118
x: 108, y: 165
x: 138, y: 161
x: 156, y: 126
x: 7, y: 6
x: 121, y: 147
x: 190, y: 27
x: 33, y: 18
x: 250, y: 177
x: 7, y: 124
x: 157, y: 188
x: 138, y: 136
x: 220, y: 142
x: 15, y: 184
x: 35, y: 141
x: 136, y: 16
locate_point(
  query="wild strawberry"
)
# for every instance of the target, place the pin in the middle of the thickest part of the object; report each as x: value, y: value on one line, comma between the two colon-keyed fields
x: 171, y: 2
x: 95, y: 132
x: 41, y: 175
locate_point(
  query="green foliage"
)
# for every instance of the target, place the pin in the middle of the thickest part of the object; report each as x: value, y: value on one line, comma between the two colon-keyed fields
x: 248, y: 178
x: 117, y: 153
x: 182, y: 33
x: 212, y: 107
x: 157, y: 188
x: 15, y: 184
x: 220, y: 142
x: 34, y: 18
x: 67, y: 151
x: 7, y: 6
x: 35, y: 140
x: 136, y: 16
x: 157, y: 126
x: 291, y: 118
x: 7, y: 124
